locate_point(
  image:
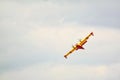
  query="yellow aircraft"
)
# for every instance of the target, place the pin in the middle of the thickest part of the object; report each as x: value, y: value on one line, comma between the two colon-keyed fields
x: 79, y: 45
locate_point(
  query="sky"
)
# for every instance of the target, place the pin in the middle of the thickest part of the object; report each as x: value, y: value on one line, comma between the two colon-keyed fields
x: 35, y: 35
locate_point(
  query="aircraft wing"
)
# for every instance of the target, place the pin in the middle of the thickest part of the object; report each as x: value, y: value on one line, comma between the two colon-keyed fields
x: 73, y: 49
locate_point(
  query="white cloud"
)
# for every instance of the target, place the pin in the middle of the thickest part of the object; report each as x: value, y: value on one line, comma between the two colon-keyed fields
x: 44, y: 44
x: 42, y: 32
x: 64, y: 72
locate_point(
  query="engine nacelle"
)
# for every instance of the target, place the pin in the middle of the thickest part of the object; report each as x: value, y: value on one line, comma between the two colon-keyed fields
x: 73, y: 47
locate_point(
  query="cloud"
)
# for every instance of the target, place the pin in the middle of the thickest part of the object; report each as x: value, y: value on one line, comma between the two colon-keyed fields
x: 64, y: 72
x: 48, y: 44
x: 104, y: 13
x: 35, y: 35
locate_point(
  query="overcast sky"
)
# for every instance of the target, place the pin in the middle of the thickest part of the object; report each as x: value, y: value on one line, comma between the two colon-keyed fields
x: 35, y: 35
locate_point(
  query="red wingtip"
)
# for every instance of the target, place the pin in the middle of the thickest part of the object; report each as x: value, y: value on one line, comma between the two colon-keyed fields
x: 92, y: 33
x: 65, y: 56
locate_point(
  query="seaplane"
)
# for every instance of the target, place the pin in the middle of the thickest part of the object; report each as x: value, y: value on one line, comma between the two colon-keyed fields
x: 79, y: 45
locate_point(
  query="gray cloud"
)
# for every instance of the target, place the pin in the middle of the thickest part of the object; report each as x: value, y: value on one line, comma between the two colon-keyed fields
x: 41, y: 32
x: 104, y: 13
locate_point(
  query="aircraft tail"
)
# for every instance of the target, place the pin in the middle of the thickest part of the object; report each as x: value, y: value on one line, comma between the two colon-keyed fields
x: 80, y: 47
